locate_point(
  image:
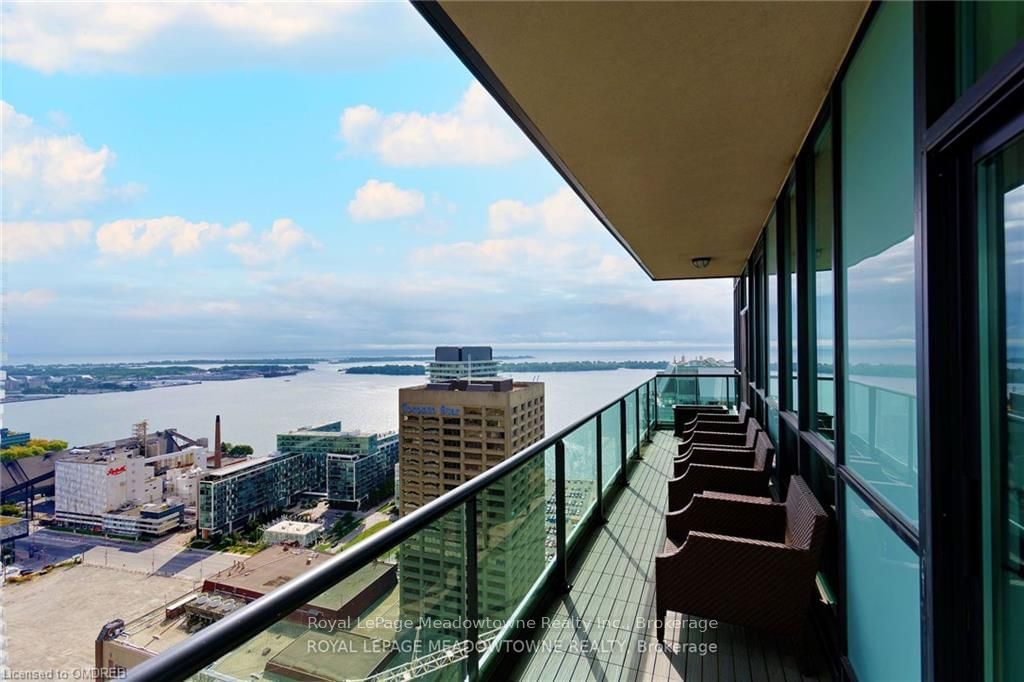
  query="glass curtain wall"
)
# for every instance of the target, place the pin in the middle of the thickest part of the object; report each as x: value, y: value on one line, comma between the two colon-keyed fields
x: 822, y: 290
x: 987, y: 31
x: 771, y: 265
x: 880, y: 440
x: 793, y: 335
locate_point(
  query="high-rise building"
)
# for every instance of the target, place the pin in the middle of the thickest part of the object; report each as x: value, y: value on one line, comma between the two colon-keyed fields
x: 350, y: 468
x: 450, y: 432
x: 462, y: 362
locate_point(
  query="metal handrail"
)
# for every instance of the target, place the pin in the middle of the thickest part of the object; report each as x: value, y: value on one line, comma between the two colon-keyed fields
x: 217, y: 639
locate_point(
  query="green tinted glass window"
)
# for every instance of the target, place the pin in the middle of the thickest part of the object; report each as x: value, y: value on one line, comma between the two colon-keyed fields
x: 883, y: 598
x: 878, y: 246
x: 793, y: 340
x: 819, y: 237
x: 772, y: 265
x: 985, y: 32
x: 1001, y: 247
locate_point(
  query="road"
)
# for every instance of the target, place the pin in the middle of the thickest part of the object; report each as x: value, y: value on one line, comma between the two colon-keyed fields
x: 167, y: 557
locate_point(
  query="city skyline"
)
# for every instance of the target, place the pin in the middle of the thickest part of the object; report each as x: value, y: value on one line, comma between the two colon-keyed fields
x: 279, y: 179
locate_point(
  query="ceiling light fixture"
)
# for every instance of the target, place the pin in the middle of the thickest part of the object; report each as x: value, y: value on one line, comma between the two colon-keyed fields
x: 701, y: 262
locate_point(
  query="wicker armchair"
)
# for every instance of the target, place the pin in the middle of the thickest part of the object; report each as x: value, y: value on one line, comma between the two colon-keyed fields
x: 743, y: 472
x: 718, y: 439
x: 717, y: 422
x: 739, y: 456
x: 684, y: 414
x: 744, y: 560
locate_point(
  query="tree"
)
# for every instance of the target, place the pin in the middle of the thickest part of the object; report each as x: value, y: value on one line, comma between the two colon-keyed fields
x: 10, y: 510
x: 36, y: 446
x: 240, y: 450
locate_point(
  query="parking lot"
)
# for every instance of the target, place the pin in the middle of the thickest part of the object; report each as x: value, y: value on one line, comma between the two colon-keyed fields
x: 52, y: 620
x: 168, y: 557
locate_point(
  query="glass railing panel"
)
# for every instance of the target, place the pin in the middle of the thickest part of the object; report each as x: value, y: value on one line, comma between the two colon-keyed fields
x: 824, y: 418
x: 664, y: 396
x: 858, y: 418
x: 399, y: 616
x: 611, y: 458
x: 773, y: 426
x: 580, y: 475
x: 676, y: 390
x: 515, y: 545
x: 550, y: 511
x: 716, y: 390
x: 652, y: 402
x: 631, y: 433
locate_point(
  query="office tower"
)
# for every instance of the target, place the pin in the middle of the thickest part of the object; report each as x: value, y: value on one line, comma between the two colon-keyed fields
x: 450, y: 432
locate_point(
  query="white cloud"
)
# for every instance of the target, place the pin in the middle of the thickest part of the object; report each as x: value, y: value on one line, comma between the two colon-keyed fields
x: 49, y: 173
x: 138, y: 37
x: 32, y: 298
x: 25, y: 240
x: 562, y: 215
x: 378, y: 200
x: 132, y: 237
x: 160, y: 310
x: 475, y: 132
x: 534, y: 263
x: 283, y: 237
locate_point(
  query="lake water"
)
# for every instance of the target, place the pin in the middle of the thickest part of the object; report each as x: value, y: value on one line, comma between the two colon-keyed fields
x: 253, y: 411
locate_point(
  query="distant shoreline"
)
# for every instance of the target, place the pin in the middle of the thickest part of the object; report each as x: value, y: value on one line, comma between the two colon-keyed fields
x: 40, y: 382
x: 27, y: 398
x: 520, y: 367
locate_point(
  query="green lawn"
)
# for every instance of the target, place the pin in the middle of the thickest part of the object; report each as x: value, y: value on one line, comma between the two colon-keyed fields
x: 380, y: 525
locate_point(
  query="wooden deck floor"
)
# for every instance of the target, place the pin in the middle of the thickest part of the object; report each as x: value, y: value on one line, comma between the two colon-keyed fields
x: 603, y: 629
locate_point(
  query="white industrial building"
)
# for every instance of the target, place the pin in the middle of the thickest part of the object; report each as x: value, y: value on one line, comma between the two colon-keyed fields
x: 297, y: 532
x: 111, y: 488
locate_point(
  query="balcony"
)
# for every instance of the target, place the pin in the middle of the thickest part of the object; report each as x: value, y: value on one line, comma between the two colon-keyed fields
x: 543, y: 565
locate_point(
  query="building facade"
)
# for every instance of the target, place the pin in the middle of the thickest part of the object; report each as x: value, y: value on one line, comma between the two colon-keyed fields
x: 349, y: 468
x: 359, y: 480
x: 449, y: 433
x: 112, y: 488
x: 9, y: 438
x: 297, y: 532
x: 353, y: 469
x: 229, y: 497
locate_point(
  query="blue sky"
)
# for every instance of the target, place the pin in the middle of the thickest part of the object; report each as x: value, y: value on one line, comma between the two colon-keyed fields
x: 217, y: 178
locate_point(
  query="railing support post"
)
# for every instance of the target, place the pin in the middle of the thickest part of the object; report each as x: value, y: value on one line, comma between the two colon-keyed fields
x: 657, y: 413
x: 647, y: 402
x: 561, y: 558
x: 636, y: 412
x: 472, y: 592
x: 623, y: 477
x: 600, y: 476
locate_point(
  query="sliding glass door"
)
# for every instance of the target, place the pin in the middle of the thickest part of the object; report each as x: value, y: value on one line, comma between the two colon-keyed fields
x: 1000, y: 216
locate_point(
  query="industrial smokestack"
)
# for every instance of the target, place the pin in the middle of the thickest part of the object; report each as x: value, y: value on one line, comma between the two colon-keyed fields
x: 216, y: 443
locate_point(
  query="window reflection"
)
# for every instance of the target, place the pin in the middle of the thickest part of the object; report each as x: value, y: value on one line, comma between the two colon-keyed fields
x: 878, y: 257
x: 771, y: 263
x: 1001, y: 226
x: 820, y: 243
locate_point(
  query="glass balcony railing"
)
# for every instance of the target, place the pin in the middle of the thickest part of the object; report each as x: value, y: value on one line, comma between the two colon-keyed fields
x: 439, y: 593
x: 719, y: 387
